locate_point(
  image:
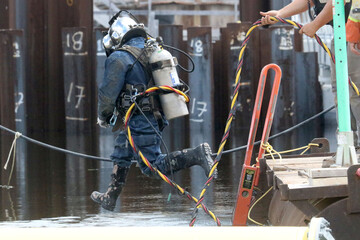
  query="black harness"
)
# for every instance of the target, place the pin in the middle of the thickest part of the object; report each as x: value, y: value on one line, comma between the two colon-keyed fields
x: 148, y: 103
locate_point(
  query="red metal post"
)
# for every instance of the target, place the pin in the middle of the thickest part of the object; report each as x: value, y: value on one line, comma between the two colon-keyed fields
x: 269, y: 114
x: 249, y: 174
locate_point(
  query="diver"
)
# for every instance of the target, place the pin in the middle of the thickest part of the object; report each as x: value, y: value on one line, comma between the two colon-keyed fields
x: 127, y: 73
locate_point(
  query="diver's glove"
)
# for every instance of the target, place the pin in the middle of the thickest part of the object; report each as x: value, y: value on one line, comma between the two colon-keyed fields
x: 102, y: 123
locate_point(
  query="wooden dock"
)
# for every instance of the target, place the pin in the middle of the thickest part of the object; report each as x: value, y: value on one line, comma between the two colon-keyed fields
x: 292, y: 176
x: 307, y: 186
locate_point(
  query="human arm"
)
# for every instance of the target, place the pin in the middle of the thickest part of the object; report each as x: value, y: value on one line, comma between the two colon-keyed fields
x: 355, y: 48
x: 323, y: 18
x: 112, y: 84
x: 293, y: 8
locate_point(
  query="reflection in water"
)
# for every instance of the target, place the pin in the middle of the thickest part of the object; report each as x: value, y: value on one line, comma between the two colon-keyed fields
x: 53, y: 189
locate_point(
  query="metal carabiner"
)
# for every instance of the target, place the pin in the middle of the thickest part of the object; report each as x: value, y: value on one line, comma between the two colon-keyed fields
x: 114, y: 117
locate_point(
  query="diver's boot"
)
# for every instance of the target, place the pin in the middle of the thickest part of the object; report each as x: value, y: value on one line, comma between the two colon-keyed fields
x: 201, y: 155
x: 108, y: 199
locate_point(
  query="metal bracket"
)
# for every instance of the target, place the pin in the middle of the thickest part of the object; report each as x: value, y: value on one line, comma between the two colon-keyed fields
x: 346, y: 154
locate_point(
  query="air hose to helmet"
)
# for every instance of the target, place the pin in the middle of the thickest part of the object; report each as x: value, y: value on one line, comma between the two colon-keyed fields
x: 187, y: 55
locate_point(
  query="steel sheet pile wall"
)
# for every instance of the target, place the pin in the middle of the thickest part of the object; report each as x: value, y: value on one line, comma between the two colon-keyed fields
x: 250, y: 9
x: 43, y: 93
x: 7, y: 100
x: 199, y: 46
x: 77, y: 88
x: 78, y: 103
x: 278, y: 46
x: 231, y: 40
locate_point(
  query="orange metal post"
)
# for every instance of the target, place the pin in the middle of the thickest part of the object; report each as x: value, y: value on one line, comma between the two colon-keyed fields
x: 249, y: 175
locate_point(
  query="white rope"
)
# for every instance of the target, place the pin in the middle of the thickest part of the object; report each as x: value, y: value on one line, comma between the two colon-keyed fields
x: 12, y: 149
x: 12, y: 152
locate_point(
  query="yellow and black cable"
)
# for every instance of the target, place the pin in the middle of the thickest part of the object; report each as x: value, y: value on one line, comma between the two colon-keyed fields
x: 234, y: 99
x: 181, y: 190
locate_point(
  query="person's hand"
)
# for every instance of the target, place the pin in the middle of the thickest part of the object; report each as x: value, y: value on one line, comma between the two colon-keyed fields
x: 355, y: 48
x: 309, y: 29
x: 265, y: 20
x: 102, y: 123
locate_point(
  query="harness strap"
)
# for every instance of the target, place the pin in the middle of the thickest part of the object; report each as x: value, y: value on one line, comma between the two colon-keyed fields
x: 147, y: 104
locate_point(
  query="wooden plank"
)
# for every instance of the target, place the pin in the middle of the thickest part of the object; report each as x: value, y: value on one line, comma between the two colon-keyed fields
x: 303, y: 191
x: 304, y: 161
x: 293, y: 177
x: 327, y: 172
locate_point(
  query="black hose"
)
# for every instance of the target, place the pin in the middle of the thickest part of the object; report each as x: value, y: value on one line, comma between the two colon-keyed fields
x: 187, y: 55
x: 283, y: 132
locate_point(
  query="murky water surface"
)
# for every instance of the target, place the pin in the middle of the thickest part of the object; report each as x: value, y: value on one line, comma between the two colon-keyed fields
x: 52, y: 190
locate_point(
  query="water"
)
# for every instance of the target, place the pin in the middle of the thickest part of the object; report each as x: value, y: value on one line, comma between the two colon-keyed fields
x: 52, y: 190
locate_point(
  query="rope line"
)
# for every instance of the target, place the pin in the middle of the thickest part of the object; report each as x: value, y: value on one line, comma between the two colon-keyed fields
x: 56, y: 148
x: 270, y: 149
x: 214, y: 154
x: 252, y: 206
x: 234, y: 99
x: 13, y: 153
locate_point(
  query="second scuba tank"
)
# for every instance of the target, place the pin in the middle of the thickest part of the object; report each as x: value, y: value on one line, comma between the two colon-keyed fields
x: 163, y: 67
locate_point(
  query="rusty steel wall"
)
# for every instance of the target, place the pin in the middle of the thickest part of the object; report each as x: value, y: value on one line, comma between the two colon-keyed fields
x: 231, y: 39
x: 7, y: 100
x: 78, y: 101
x: 77, y: 87
x: 7, y: 14
x: 221, y: 97
x: 35, y: 59
x: 308, y: 97
x: 201, y: 107
x: 42, y: 22
x: 66, y: 14
x: 235, y: 34
x: 4, y: 14
x: 250, y: 9
x: 279, y: 45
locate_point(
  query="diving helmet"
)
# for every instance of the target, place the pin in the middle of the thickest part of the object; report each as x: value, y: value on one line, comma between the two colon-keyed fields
x: 122, y: 28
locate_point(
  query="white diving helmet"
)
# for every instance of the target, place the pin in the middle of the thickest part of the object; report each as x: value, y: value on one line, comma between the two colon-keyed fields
x: 122, y: 28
